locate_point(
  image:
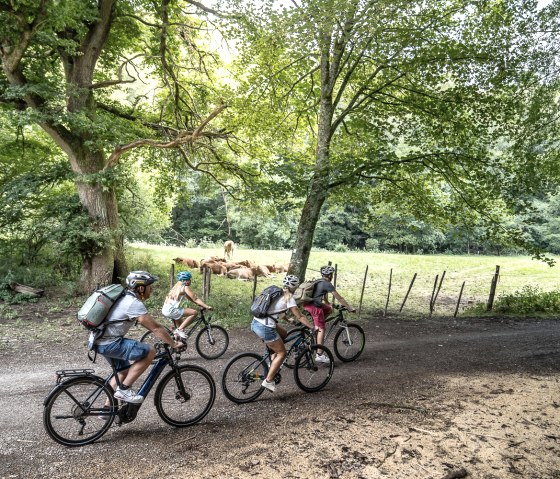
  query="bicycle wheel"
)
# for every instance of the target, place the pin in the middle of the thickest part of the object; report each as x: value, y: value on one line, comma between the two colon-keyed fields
x: 212, y: 342
x: 309, y: 375
x: 185, y: 395
x: 242, y: 377
x: 349, y: 342
x: 75, y: 413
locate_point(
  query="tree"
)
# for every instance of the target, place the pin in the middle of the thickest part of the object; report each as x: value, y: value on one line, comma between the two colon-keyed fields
x: 89, y: 72
x: 409, y: 95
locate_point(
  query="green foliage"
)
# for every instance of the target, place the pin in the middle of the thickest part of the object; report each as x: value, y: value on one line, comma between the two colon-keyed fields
x: 528, y: 301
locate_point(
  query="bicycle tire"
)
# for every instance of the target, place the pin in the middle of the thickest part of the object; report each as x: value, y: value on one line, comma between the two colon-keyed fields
x: 290, y: 361
x: 185, y: 405
x: 309, y: 375
x: 210, y: 334
x: 244, y: 372
x: 73, y: 414
x: 349, y: 343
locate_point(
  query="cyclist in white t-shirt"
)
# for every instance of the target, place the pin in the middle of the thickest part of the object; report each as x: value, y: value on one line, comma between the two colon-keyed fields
x: 272, y: 334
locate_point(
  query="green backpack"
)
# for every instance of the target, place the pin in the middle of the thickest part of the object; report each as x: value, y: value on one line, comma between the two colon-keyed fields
x: 96, y: 308
x: 304, y: 292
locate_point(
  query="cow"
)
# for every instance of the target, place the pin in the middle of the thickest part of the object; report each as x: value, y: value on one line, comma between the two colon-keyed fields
x: 191, y: 263
x: 243, y: 274
x: 228, y: 249
x: 214, y: 266
x: 281, y: 268
x: 261, y: 270
x: 248, y: 263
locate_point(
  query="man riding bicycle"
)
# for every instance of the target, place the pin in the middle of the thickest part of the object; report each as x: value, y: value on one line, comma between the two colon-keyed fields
x: 120, y: 351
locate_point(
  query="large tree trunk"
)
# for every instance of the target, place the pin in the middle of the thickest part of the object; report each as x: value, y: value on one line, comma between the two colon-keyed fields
x: 317, y: 194
x: 108, y: 265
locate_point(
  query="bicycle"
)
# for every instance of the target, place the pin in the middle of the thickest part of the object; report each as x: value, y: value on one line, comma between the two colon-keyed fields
x: 81, y: 407
x: 211, y: 342
x: 349, y: 340
x: 244, y: 373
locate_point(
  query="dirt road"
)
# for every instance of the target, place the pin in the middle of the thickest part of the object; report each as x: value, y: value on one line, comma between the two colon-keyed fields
x: 427, y: 399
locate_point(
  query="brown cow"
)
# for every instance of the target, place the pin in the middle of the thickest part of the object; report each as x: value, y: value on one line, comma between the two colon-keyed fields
x: 249, y: 264
x: 191, y: 263
x: 243, y: 274
x: 281, y: 268
x: 214, y: 266
x: 261, y: 270
x: 228, y: 249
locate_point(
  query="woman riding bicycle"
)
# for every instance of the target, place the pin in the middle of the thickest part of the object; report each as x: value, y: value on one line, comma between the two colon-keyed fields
x: 175, y: 302
x: 271, y: 333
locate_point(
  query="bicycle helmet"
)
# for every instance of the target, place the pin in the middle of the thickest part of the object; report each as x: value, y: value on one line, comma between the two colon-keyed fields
x: 140, y: 278
x: 327, y: 270
x: 290, y: 281
x: 184, y: 276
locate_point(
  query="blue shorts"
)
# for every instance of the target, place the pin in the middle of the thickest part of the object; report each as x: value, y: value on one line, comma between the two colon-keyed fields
x: 122, y: 351
x: 266, y: 333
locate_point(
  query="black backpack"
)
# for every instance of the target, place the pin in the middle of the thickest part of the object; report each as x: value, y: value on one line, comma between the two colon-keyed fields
x: 261, y: 303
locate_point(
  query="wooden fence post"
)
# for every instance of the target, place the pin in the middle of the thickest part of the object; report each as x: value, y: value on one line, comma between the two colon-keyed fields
x: 388, y: 292
x: 459, y: 300
x: 362, y: 295
x: 433, y: 293
x: 254, y: 287
x: 433, y: 306
x: 493, y: 289
x: 172, y: 274
x: 408, y: 292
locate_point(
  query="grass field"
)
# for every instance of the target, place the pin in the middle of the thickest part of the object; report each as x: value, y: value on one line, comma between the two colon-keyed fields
x: 231, y: 298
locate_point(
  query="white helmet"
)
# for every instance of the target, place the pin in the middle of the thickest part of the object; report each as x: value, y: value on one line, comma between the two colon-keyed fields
x: 290, y: 281
x: 327, y: 270
x: 140, y: 278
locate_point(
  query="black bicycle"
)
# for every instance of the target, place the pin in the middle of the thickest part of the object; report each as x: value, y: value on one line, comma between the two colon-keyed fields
x: 349, y: 338
x: 244, y: 373
x: 81, y: 406
x: 211, y: 342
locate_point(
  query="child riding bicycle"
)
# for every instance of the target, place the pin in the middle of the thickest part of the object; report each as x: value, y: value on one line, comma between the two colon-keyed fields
x: 175, y: 303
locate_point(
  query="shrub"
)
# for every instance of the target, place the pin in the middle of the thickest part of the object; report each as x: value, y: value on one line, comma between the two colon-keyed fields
x: 529, y: 300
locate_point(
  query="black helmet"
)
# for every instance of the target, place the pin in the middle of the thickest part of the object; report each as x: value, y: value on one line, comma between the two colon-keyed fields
x: 140, y: 278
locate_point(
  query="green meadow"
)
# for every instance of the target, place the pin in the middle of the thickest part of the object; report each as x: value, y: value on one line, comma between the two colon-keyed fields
x: 231, y: 298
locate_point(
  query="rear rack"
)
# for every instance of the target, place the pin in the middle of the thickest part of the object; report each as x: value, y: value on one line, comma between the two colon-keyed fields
x: 65, y: 373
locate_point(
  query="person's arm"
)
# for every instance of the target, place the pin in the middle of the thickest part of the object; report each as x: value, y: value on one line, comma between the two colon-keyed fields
x: 342, y: 301
x: 196, y: 300
x: 159, y: 331
x: 300, y: 317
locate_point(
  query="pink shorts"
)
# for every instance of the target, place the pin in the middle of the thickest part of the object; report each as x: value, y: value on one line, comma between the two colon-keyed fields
x: 318, y: 314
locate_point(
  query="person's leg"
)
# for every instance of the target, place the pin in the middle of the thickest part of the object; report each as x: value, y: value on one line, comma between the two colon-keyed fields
x: 121, y: 353
x: 278, y: 357
x: 319, y: 321
x: 189, y: 314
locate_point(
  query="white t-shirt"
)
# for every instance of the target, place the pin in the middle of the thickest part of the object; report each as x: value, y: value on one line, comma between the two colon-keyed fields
x: 275, y: 309
x: 121, y: 318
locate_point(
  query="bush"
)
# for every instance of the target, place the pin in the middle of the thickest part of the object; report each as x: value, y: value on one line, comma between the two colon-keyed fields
x: 372, y: 245
x: 529, y: 300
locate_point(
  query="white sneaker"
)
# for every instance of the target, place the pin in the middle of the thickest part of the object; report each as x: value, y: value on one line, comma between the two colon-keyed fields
x: 322, y: 358
x: 180, y: 334
x: 128, y: 395
x: 270, y: 386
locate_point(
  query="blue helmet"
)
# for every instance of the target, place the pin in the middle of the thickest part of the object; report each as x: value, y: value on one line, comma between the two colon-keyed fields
x: 184, y: 276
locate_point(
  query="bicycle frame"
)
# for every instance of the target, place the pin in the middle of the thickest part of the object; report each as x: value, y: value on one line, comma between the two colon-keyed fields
x: 296, y: 340
x: 199, y: 319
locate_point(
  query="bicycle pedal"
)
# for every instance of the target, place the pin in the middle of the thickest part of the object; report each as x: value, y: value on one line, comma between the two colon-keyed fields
x: 277, y: 378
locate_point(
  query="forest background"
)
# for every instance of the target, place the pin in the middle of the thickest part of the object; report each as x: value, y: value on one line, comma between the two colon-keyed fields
x: 384, y: 127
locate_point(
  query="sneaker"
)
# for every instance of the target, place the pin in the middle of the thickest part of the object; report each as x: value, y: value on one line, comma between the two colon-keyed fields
x: 270, y: 386
x: 180, y: 334
x: 322, y: 358
x: 128, y: 395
